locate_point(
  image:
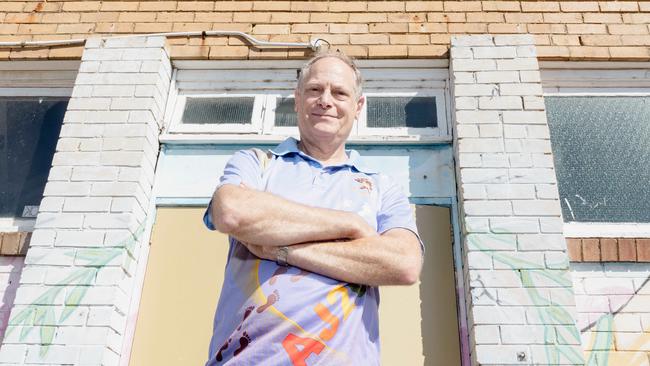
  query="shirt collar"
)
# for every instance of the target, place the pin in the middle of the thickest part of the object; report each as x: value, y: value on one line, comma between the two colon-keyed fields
x: 290, y: 146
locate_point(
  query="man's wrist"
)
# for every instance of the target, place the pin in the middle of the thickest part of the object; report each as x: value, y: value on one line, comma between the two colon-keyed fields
x: 282, y: 256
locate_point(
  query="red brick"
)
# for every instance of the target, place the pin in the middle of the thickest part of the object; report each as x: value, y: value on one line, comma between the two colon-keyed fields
x: 524, y: 17
x: 176, y: 17
x: 506, y: 28
x: 563, y: 18
x: 195, y: 6
x: 586, y: 29
x: 428, y: 51
x: 228, y: 52
x: 386, y: 6
x: 591, y: 250
x: 252, y: 17
x: 600, y: 40
x: 406, y: 17
x: 618, y: 6
x: 190, y: 27
x: 99, y: 17
x: 579, y: 6
x: 268, y: 53
x: 328, y: 17
x: 348, y: 6
x: 642, y: 250
x: 114, y: 27
x: 348, y: 28
x: 367, y: 17
x: 608, y: 250
x: 545, y: 6
x: 213, y: 17
x: 119, y: 6
x: 362, y: 39
x: 157, y: 6
x: 190, y: 52
x: 310, y: 28
x: 562, y: 40
x: 272, y: 5
x: 290, y: 18
x: 309, y: 6
x: 589, y: 53
x: 65, y: 53
x: 398, y: 51
x: 462, y: 6
x: 602, y: 18
x: 409, y: 39
x: 467, y: 28
x: 427, y: 28
x: 153, y: 27
x: 484, y: 17
x: 501, y: 6
x: 626, y: 250
x: 81, y: 5
x: 354, y: 51
x: 23, y: 18
x: 574, y: 249
x: 233, y: 5
x: 424, y: 6
x: 446, y: 17
x: 389, y: 28
x: 627, y: 29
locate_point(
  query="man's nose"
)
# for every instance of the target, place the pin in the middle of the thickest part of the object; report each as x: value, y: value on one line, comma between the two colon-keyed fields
x: 325, y: 100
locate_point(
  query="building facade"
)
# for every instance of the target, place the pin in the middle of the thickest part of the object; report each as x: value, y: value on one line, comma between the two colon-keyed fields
x: 518, y: 129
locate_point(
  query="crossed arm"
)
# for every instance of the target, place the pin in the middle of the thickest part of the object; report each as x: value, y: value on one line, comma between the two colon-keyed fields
x: 333, y: 243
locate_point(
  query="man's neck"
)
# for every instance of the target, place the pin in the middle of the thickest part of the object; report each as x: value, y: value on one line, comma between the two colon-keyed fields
x: 326, y: 154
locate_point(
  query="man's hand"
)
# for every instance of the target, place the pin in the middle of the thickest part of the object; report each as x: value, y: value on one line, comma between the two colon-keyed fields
x: 262, y: 251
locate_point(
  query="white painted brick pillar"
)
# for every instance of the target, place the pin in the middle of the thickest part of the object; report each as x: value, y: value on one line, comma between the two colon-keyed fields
x: 521, y: 304
x: 78, y: 277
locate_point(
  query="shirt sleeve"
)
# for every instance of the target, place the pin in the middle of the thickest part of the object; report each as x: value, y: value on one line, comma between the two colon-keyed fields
x: 243, y: 167
x: 395, y: 212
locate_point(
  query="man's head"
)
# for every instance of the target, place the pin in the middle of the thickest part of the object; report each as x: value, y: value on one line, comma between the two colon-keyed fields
x: 328, y: 98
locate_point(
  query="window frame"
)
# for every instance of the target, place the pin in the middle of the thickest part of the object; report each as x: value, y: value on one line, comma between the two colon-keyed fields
x: 602, y: 79
x: 437, y: 85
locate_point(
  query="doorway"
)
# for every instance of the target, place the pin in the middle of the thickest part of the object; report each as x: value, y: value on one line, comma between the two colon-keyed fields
x: 418, y: 324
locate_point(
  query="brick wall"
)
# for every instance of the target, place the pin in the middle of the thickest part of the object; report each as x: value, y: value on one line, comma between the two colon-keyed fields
x: 609, y: 249
x: 520, y: 300
x: 613, y: 303
x: 76, y: 286
x: 576, y: 30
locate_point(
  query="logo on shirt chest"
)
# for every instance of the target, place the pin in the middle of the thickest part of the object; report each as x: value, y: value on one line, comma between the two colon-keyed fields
x: 364, y: 184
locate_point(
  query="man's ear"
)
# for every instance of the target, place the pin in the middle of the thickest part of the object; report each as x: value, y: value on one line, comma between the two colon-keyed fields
x: 360, y: 102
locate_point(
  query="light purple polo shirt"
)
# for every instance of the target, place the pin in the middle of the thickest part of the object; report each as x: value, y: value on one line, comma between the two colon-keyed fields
x: 273, y: 315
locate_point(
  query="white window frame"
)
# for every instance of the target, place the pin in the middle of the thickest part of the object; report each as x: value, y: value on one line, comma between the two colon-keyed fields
x: 441, y: 130
x: 262, y: 126
x: 49, y: 79
x: 604, y: 79
x: 255, y: 126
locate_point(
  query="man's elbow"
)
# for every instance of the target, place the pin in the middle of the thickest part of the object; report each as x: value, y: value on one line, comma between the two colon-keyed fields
x: 225, y: 216
x: 410, y: 271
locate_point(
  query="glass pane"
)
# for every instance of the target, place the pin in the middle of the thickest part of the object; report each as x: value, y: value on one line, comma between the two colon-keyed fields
x: 601, y: 147
x: 285, y: 116
x: 414, y: 112
x: 29, y: 130
x: 236, y: 110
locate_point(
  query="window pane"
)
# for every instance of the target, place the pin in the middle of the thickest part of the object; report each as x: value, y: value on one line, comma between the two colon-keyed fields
x: 415, y: 112
x: 601, y: 147
x: 238, y: 110
x: 29, y: 130
x: 285, y: 116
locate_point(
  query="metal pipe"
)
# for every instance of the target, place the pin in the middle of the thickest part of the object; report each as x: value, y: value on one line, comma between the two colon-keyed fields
x: 313, y: 45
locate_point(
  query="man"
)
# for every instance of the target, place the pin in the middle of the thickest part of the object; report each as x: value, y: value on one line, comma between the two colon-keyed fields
x: 312, y: 233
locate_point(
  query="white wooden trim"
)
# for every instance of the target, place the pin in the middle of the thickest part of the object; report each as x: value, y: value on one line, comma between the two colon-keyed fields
x: 40, y: 65
x: 293, y: 64
x: 606, y: 230
x: 609, y: 65
x: 577, y: 78
x: 206, y: 138
x: 610, y: 92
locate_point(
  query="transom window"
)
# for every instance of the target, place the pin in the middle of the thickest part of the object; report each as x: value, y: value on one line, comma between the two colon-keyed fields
x: 400, y: 102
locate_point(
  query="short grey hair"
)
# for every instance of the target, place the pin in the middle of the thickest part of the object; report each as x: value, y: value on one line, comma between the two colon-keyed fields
x: 305, y: 69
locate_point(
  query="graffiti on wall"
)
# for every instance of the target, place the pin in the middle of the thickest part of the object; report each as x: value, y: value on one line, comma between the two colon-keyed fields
x: 40, y: 316
x: 551, y: 314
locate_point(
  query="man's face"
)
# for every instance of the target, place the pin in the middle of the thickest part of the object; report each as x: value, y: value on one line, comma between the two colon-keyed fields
x: 326, y: 104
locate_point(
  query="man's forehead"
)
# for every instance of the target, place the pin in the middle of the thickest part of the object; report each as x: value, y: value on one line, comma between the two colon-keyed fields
x: 330, y: 67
